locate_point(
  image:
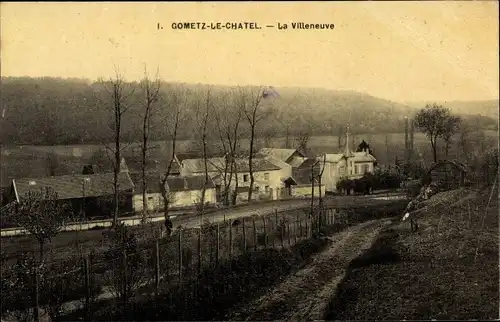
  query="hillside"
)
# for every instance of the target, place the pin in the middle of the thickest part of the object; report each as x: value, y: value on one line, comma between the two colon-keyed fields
x: 487, y: 108
x: 53, y: 111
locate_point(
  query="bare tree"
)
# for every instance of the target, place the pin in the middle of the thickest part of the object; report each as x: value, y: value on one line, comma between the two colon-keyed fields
x: 254, y: 110
x: 150, y: 93
x: 202, y: 114
x: 174, y: 107
x: 116, y: 88
x: 302, y: 140
x: 42, y: 215
x: 228, y: 121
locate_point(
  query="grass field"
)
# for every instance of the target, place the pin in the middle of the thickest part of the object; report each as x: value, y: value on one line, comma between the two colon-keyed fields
x: 30, y: 161
x: 448, y: 270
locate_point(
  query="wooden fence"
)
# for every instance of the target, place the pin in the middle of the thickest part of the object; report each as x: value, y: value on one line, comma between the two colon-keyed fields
x: 154, y: 266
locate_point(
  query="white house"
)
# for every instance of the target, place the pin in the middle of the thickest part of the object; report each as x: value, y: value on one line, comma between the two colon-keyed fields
x: 349, y: 165
x: 182, y: 191
x: 267, y: 175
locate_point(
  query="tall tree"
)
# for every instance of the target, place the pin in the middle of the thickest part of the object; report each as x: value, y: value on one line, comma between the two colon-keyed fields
x: 150, y: 93
x: 174, y: 116
x: 117, y: 89
x: 202, y: 117
x: 255, y: 111
x: 451, y: 127
x: 432, y: 121
x: 228, y: 119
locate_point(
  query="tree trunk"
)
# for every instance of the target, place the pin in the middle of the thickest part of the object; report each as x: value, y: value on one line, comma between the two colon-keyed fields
x: 434, y: 149
x: 143, y: 168
x: 250, y: 163
x: 117, y: 109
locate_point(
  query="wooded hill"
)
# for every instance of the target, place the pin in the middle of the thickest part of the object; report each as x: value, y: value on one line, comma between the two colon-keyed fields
x: 54, y: 111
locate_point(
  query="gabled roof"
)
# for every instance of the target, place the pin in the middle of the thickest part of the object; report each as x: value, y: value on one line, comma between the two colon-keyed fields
x: 198, y: 165
x: 134, y: 164
x: 279, y: 163
x: 153, y: 182
x: 74, y: 186
x: 455, y: 163
x: 362, y: 157
x: 258, y: 164
x: 217, y: 165
x: 333, y: 157
x: 281, y: 154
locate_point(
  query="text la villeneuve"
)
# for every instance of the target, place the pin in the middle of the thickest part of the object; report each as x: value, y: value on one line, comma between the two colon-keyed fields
x: 247, y: 26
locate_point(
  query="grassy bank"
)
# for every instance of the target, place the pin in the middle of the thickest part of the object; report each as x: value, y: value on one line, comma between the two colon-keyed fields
x: 447, y: 270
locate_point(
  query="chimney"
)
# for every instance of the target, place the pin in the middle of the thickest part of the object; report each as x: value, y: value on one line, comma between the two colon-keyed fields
x: 347, y: 141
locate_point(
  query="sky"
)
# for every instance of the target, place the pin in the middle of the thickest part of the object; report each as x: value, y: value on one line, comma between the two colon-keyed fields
x: 402, y: 51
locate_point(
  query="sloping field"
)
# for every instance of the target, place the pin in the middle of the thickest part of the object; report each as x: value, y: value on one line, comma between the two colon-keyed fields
x: 447, y: 270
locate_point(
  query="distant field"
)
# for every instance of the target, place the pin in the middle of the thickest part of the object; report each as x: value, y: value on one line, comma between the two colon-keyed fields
x: 29, y: 160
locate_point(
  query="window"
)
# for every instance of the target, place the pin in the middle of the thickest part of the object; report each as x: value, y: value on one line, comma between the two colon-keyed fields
x: 245, y: 178
x: 266, y: 176
x: 150, y: 199
x: 366, y: 168
x: 356, y: 169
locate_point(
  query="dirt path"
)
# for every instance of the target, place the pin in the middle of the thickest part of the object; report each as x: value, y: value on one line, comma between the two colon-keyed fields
x: 306, y: 294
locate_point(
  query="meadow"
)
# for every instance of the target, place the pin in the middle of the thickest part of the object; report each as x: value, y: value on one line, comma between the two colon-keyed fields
x: 31, y: 160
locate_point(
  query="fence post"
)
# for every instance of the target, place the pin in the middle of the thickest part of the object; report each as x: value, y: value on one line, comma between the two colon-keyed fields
x: 230, y: 241
x: 157, y: 265
x: 289, y: 237
x: 180, y: 260
x: 295, y: 230
x: 254, y: 234
x: 244, y: 235
x: 282, y: 235
x: 87, y: 286
x: 125, y: 277
x: 217, y: 247
x: 199, y: 252
x: 265, y: 231
x: 300, y: 229
x: 37, y: 295
x: 272, y: 229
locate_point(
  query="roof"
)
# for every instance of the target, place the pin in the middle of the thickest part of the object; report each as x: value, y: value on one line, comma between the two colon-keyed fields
x: 258, y: 164
x: 362, y: 157
x: 75, y: 186
x: 279, y: 163
x: 455, y: 163
x: 281, y: 154
x: 308, y: 163
x: 218, y: 165
x: 334, y: 157
x: 198, y: 165
x: 134, y: 164
x: 152, y: 181
x: 189, y: 183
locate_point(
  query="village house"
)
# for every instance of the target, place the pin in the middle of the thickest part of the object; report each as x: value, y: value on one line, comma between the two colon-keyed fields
x: 182, y: 191
x: 304, y: 178
x: 291, y: 156
x: 267, y: 175
x: 347, y: 165
x: 89, y: 194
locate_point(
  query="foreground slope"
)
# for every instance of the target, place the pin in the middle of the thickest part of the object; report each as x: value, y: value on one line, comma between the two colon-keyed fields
x: 448, y: 270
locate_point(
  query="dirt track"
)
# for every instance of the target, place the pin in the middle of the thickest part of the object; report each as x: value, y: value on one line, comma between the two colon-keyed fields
x: 306, y: 294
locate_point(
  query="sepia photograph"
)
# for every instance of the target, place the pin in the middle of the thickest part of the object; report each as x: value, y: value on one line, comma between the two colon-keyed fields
x: 249, y: 161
